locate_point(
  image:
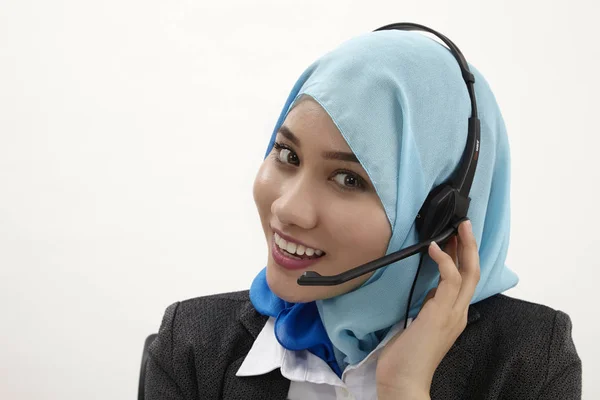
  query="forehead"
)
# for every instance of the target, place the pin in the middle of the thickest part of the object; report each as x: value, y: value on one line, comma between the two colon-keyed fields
x: 312, y: 125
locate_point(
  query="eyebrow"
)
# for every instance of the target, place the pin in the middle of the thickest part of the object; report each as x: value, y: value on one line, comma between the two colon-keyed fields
x: 330, y: 155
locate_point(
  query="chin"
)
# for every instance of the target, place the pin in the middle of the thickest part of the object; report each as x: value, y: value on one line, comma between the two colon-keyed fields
x: 287, y: 288
x: 292, y: 296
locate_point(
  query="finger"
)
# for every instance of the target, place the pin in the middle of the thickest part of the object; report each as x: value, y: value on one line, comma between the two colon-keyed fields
x: 470, y: 269
x: 452, y: 249
x: 450, y: 279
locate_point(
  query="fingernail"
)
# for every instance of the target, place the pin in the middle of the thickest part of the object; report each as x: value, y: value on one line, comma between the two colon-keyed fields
x: 435, y: 245
x: 469, y: 225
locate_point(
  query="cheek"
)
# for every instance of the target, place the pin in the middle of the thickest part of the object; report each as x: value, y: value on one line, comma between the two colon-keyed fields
x: 363, y: 231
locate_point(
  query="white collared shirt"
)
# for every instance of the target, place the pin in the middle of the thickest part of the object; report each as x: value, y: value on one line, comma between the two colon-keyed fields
x: 310, y: 376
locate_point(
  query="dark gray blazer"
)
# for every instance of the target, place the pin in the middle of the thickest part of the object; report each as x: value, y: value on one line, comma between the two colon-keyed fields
x: 510, y: 349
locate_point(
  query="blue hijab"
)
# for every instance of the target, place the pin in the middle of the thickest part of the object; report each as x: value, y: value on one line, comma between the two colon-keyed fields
x: 401, y: 104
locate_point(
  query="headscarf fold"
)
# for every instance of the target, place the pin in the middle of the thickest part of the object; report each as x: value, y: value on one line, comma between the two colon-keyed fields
x: 399, y: 100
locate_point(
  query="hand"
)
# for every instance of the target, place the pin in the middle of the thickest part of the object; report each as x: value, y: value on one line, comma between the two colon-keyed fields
x: 407, y: 363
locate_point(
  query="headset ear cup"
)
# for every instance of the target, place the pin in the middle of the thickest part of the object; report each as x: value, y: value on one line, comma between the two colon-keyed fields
x: 437, y: 212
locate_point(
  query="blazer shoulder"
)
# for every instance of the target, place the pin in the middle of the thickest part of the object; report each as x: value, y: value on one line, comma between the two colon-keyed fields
x: 502, y: 306
x: 225, y: 302
x: 205, y: 320
x: 530, y: 343
x: 523, y: 323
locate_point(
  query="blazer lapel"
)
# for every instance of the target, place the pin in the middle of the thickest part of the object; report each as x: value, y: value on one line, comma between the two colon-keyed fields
x: 451, y: 377
x: 252, y: 320
x: 449, y: 381
x: 268, y: 386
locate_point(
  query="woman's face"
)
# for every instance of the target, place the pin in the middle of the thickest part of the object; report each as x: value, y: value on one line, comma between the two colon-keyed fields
x: 311, y: 191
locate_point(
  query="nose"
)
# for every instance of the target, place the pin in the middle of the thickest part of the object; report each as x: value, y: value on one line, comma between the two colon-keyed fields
x: 296, y: 204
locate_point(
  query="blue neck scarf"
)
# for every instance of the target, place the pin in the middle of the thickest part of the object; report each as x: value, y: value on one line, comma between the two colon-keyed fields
x: 297, y: 325
x: 399, y: 101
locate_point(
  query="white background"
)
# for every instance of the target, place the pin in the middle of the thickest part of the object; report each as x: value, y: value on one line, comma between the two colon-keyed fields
x: 131, y: 132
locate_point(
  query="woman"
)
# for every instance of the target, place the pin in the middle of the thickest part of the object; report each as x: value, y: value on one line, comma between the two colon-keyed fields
x: 367, y: 132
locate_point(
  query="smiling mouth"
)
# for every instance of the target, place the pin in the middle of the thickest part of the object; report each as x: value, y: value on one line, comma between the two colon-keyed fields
x: 289, y: 261
x: 297, y: 257
x: 306, y: 253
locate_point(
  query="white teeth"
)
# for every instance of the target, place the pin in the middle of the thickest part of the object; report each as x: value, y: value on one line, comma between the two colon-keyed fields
x: 291, y: 247
x: 294, y: 248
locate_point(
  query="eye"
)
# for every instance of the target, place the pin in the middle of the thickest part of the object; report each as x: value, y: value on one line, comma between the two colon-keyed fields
x: 345, y: 180
x: 284, y: 154
x: 349, y: 181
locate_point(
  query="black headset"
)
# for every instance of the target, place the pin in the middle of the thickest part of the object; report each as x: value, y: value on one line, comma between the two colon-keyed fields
x: 446, y: 206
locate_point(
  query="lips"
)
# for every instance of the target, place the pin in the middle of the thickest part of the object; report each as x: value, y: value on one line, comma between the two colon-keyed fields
x: 284, y: 260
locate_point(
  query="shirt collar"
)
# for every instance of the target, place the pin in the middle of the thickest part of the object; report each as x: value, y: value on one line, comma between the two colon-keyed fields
x: 264, y: 356
x: 267, y: 354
